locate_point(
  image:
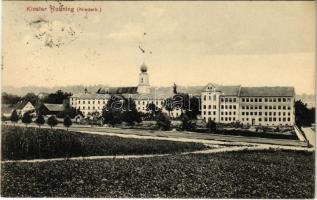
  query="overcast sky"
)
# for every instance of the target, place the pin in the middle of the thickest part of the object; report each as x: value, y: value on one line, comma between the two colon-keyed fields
x: 192, y: 43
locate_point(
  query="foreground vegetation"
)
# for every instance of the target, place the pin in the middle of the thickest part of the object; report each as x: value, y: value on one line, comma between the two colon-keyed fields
x: 247, y: 174
x: 31, y: 143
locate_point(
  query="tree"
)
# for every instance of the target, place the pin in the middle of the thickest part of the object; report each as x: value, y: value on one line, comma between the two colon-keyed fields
x: 152, y: 108
x: 26, y: 118
x: 169, y: 105
x: 52, y: 121
x: 194, y: 107
x: 211, y: 125
x: 31, y: 97
x: 57, y: 98
x: 304, y: 116
x: 186, y: 123
x: 174, y: 89
x: 10, y: 99
x: 118, y: 109
x: 67, y: 122
x: 14, y: 118
x: 40, y: 120
x: 163, y: 122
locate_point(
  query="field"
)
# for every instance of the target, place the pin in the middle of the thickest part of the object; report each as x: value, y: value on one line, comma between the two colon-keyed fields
x: 31, y: 143
x: 246, y: 174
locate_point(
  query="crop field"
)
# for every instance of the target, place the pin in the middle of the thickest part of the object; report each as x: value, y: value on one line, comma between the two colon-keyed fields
x: 31, y: 143
x: 245, y: 174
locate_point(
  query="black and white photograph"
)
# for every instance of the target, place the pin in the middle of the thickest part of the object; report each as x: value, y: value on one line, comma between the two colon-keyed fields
x: 158, y: 99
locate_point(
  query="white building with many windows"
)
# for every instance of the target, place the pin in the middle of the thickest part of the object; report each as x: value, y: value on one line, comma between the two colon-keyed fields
x: 268, y: 106
x: 142, y: 95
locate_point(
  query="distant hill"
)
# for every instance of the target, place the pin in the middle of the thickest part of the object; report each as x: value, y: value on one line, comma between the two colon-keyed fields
x: 309, y: 99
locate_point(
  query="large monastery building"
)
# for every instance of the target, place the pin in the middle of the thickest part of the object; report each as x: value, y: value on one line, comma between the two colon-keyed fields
x: 268, y: 106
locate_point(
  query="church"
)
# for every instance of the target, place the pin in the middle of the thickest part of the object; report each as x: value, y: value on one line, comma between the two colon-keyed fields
x: 142, y: 94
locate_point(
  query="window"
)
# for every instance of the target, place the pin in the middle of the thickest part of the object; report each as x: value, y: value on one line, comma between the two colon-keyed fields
x: 221, y: 106
x: 221, y: 118
x: 242, y: 107
x: 265, y: 99
x: 234, y: 106
x: 260, y: 99
x: 274, y: 107
x: 256, y: 100
x: 88, y: 102
x: 83, y: 102
x: 284, y: 99
x: 234, y: 113
x: 209, y: 106
x: 214, y: 112
x: 251, y: 100
x: 214, y: 106
x: 204, y: 106
x: 242, y: 113
x: 289, y: 119
x: 226, y: 107
x: 230, y: 107
x: 265, y: 107
x: 204, y: 112
x: 234, y: 99
x: 243, y: 99
x: 279, y: 99
x: 274, y: 99
x: 205, y: 97
x: 230, y: 100
x: 247, y: 99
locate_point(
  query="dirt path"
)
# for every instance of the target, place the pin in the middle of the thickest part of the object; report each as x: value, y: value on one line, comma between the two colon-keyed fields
x: 221, y: 149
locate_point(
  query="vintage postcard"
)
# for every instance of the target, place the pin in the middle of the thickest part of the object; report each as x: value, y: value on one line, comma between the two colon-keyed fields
x: 158, y: 99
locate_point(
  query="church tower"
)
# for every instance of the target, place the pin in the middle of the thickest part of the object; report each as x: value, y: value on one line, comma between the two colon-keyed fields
x: 144, y: 85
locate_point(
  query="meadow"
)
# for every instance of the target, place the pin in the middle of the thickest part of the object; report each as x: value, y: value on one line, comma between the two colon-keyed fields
x: 33, y: 143
x: 245, y: 174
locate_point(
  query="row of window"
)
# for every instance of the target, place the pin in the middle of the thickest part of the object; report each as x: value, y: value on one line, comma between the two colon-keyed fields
x: 227, y: 118
x: 228, y: 106
x: 92, y: 102
x: 270, y: 119
x: 209, y: 97
x: 266, y: 113
x: 279, y: 99
x: 209, y: 107
x: 266, y: 107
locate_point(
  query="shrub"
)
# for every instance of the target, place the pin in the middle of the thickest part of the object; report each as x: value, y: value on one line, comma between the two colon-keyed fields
x: 40, y: 120
x: 163, y: 122
x: 14, y: 118
x: 211, y: 125
x: 52, y: 121
x: 26, y: 118
x: 67, y: 122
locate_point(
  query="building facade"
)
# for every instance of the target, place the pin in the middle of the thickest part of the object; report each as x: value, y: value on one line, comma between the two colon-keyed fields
x: 267, y: 106
x: 89, y: 103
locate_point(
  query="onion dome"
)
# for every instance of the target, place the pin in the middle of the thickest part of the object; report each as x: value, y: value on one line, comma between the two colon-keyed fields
x: 143, y: 68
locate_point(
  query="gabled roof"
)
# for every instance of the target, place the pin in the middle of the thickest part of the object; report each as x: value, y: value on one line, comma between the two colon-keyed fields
x: 232, y: 90
x: 54, y: 107
x: 267, y: 91
x: 21, y: 104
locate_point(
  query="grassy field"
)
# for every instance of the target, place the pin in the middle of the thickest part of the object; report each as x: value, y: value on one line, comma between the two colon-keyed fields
x: 31, y: 143
x: 246, y: 174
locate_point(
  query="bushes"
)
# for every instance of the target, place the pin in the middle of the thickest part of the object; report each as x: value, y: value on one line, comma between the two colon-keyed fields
x: 163, y: 122
x: 30, y: 143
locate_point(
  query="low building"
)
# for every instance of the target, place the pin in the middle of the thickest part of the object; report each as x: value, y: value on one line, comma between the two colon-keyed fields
x: 50, y: 109
x: 23, y: 106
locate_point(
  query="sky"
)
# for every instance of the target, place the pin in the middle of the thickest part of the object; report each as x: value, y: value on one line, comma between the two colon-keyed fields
x: 249, y: 43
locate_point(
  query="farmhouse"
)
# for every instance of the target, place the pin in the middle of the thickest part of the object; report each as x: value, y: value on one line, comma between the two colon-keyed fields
x: 50, y: 109
x: 23, y: 106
